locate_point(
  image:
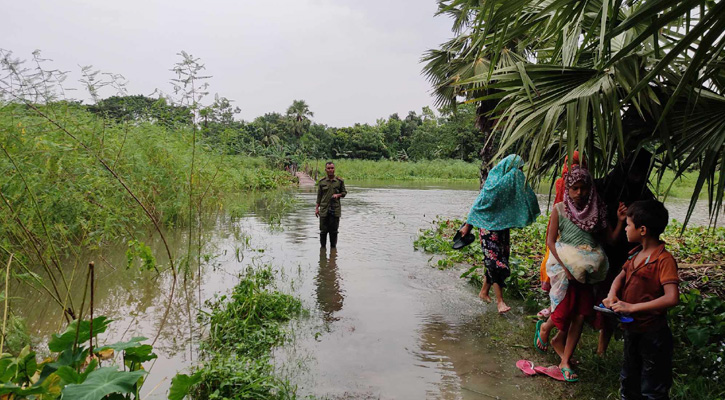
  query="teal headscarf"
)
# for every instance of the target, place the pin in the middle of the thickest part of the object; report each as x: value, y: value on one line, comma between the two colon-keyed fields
x: 506, y: 200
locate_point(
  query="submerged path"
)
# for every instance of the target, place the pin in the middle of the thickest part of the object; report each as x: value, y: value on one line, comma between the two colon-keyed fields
x: 304, y: 179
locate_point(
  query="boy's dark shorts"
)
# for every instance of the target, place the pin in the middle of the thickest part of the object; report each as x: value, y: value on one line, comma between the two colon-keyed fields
x: 647, y: 367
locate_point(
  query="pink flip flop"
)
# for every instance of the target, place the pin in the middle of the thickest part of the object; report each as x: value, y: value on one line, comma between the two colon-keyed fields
x: 526, y: 367
x: 552, y: 372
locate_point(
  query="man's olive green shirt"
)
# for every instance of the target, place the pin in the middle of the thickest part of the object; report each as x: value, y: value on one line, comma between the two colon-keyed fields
x: 326, y: 187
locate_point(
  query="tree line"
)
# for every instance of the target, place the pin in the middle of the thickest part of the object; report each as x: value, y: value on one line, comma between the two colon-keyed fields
x: 293, y: 136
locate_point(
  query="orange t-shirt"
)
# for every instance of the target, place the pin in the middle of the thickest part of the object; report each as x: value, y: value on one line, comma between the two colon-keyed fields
x: 645, y: 282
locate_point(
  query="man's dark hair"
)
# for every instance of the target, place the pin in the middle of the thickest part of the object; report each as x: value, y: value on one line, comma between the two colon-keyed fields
x: 329, y: 162
x: 651, y: 214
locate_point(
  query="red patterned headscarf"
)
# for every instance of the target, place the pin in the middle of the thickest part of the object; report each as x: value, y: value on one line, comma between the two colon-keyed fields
x: 593, y: 216
x: 560, y: 181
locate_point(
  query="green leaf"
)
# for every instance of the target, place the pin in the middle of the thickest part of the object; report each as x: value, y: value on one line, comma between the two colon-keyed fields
x: 181, y: 384
x: 121, y: 346
x: 65, y: 340
x: 8, y: 388
x: 698, y: 336
x: 68, y: 375
x: 139, y: 354
x: 103, y: 382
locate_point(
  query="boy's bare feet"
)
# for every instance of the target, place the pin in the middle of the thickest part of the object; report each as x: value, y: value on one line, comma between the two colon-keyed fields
x: 503, y: 308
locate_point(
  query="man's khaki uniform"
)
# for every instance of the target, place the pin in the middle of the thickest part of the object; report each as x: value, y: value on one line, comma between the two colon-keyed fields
x: 330, y: 209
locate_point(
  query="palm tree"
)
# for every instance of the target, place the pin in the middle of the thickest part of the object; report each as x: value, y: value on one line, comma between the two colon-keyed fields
x: 606, y: 77
x: 297, y: 115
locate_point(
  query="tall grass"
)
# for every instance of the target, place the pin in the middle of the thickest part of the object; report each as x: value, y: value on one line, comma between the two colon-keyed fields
x: 58, y: 198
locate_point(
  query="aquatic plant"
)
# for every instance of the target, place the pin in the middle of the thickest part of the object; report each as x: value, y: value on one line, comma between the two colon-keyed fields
x: 243, y: 327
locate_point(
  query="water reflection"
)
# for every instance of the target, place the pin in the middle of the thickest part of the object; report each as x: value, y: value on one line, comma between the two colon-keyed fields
x: 329, y: 294
x: 470, y: 362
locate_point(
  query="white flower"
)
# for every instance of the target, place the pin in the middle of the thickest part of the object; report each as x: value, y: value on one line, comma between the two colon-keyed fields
x: 719, y: 359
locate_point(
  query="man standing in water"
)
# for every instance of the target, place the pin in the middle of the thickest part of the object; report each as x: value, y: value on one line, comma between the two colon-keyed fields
x: 329, y: 192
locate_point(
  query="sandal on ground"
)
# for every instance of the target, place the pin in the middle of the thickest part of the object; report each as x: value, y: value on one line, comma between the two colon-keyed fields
x: 543, y: 314
x: 571, y: 374
x: 552, y: 372
x: 526, y: 366
x: 538, y: 340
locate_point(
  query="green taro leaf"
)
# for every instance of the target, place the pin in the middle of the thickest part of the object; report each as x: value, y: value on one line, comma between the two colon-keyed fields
x: 7, y: 388
x: 698, y: 336
x: 121, y: 346
x: 65, y: 340
x: 181, y: 385
x: 103, y: 382
x: 139, y: 354
x: 68, y: 375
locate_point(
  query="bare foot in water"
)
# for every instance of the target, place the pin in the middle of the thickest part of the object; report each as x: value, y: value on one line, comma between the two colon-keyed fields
x: 503, y: 308
x: 483, y: 294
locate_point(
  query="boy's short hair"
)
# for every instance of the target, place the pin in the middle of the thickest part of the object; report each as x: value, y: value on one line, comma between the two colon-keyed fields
x: 651, y: 214
x: 329, y: 162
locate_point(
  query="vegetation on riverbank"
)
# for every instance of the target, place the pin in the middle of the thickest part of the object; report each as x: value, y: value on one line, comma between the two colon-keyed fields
x: 242, y: 330
x: 75, y: 370
x: 698, y: 322
x: 462, y: 171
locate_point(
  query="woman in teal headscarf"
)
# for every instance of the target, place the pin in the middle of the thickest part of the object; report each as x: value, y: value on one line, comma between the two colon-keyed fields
x: 506, y: 201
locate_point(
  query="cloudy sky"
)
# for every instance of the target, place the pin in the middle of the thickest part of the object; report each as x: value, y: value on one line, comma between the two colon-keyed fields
x: 351, y: 60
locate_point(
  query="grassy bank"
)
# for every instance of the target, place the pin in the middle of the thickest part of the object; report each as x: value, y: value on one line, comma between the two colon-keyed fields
x: 398, y: 170
x: 457, y: 170
x: 242, y: 330
x: 698, y: 322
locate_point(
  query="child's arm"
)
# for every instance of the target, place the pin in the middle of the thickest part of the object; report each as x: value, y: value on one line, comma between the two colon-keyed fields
x: 613, y: 233
x: 614, y: 290
x: 551, y: 234
x: 670, y: 299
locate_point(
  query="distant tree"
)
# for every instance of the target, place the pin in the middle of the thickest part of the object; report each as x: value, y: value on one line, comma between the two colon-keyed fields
x: 140, y: 108
x: 463, y: 138
x: 360, y: 141
x: 298, y: 117
x: 391, y: 132
x: 409, y: 125
x: 267, y: 128
x: 217, y: 121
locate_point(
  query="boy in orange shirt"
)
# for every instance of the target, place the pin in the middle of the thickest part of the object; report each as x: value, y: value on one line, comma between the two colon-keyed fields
x: 645, y: 289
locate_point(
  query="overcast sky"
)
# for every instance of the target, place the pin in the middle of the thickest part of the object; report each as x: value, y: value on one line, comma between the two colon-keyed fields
x: 350, y: 60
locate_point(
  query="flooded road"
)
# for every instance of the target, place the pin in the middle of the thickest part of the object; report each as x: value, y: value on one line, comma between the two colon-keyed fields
x: 383, y: 324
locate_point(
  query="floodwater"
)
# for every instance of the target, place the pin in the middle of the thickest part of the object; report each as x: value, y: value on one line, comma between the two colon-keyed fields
x: 383, y: 324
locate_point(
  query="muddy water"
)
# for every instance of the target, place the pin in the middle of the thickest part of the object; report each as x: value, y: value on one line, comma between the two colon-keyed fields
x: 383, y: 323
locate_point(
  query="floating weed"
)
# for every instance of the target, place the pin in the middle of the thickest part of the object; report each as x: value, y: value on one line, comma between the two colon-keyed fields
x: 244, y: 327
